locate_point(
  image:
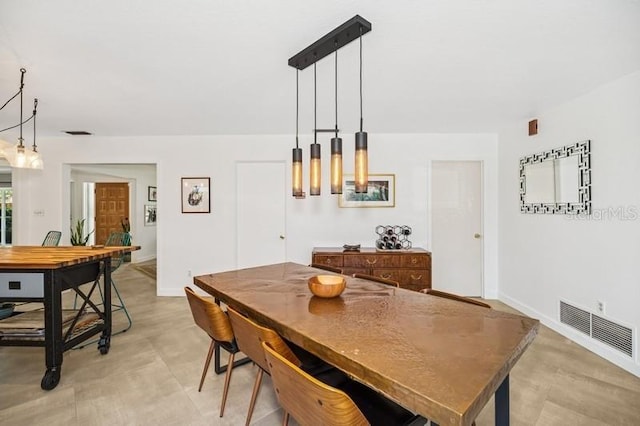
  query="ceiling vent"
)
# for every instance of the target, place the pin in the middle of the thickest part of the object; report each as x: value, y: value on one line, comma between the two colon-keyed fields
x: 77, y: 132
x: 616, y: 335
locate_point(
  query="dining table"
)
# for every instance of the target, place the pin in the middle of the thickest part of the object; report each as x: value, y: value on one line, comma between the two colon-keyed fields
x: 439, y: 358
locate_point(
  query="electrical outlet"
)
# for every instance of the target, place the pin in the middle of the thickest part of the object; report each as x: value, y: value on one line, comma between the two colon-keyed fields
x: 189, y: 273
x: 600, y: 306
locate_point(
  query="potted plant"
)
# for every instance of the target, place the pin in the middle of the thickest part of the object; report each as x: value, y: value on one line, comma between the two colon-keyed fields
x: 126, y: 228
x: 77, y: 234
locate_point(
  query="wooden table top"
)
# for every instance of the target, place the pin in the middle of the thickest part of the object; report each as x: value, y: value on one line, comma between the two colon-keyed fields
x: 38, y: 257
x: 436, y: 357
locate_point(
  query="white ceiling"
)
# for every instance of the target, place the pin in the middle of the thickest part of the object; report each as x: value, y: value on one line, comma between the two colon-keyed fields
x: 166, y: 67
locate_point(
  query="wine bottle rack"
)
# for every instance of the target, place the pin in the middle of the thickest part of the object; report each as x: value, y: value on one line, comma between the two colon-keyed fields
x: 393, y: 237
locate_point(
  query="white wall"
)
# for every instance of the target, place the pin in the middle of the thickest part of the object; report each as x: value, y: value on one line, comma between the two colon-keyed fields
x: 204, y: 243
x: 544, y: 258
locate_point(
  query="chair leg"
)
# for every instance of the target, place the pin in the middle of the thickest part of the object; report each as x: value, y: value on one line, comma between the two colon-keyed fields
x: 227, y: 379
x: 122, y: 307
x: 206, y: 363
x: 254, y: 395
x: 285, y: 419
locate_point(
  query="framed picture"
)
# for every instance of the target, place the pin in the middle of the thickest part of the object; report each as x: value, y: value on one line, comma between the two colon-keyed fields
x: 381, y: 192
x: 150, y: 214
x: 196, y: 196
x: 152, y: 193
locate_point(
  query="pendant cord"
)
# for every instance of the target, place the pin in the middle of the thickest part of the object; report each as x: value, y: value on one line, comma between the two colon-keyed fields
x: 35, y: 108
x: 297, y: 107
x: 360, y: 79
x: 21, y: 86
x: 315, y: 106
x: 336, y: 87
x: 22, y: 70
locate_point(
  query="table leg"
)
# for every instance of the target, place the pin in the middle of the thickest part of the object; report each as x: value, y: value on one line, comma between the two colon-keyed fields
x: 105, y: 338
x: 52, y: 331
x: 502, y: 403
x: 221, y: 369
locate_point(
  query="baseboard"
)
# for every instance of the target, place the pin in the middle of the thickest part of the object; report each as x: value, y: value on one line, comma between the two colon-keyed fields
x: 139, y: 259
x: 586, y: 342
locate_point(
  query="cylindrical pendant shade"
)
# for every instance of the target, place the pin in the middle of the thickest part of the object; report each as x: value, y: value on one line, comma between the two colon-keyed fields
x: 336, y: 165
x: 315, y: 171
x: 296, y: 170
x: 362, y: 167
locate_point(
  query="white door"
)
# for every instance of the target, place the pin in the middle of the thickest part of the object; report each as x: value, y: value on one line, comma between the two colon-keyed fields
x: 261, y: 213
x: 456, y: 226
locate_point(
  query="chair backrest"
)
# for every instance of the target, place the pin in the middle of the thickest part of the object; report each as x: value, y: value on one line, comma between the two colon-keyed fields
x: 209, y: 317
x: 308, y: 400
x: 52, y: 238
x: 117, y: 239
x: 452, y: 296
x: 327, y: 268
x: 377, y: 279
x: 250, y: 335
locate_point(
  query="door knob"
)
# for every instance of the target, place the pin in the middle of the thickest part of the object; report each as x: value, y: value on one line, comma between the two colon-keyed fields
x: 476, y: 236
x: 282, y: 237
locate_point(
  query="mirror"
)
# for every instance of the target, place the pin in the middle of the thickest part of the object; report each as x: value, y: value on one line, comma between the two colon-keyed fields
x: 557, y: 181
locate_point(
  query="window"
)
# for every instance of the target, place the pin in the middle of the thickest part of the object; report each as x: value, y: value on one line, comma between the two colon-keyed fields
x: 6, y: 210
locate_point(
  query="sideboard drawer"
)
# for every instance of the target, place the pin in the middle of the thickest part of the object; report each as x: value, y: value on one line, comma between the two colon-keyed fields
x: 419, y: 261
x: 22, y: 284
x: 373, y: 261
x: 388, y: 274
x: 329, y: 260
x: 415, y: 279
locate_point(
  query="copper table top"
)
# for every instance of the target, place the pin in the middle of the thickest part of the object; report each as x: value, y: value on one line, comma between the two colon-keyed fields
x: 436, y: 357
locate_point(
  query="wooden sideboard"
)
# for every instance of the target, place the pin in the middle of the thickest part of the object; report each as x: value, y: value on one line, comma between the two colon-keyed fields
x: 410, y: 268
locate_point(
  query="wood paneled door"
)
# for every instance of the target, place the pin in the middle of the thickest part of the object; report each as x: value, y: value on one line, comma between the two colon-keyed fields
x: 112, y: 206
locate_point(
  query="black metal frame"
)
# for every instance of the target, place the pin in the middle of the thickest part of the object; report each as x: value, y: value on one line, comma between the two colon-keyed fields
x: 55, y: 282
x: 331, y: 42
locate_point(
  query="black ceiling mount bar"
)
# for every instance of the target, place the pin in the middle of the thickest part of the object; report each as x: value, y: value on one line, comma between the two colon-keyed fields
x: 331, y: 42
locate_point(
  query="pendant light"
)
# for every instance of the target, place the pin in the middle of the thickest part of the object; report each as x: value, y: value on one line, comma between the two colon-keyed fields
x: 296, y: 169
x: 34, y: 160
x: 17, y: 156
x: 315, y: 164
x: 361, y: 166
x: 336, y: 143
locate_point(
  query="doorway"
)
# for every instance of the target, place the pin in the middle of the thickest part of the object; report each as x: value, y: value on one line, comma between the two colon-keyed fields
x: 261, y: 213
x: 456, y: 224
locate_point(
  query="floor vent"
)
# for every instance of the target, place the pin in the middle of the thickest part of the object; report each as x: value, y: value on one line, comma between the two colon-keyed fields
x: 606, y: 331
x: 575, y: 317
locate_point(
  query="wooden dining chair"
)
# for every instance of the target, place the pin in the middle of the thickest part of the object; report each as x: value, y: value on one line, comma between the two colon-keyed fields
x: 52, y: 239
x: 214, y: 321
x: 312, y: 402
x: 377, y: 279
x: 327, y: 268
x: 250, y: 336
x: 455, y: 297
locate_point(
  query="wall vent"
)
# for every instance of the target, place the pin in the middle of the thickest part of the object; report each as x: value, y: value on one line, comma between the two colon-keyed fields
x: 606, y: 331
x: 615, y: 335
x: 575, y: 317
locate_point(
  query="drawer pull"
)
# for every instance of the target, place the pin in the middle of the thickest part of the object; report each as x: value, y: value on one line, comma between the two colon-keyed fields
x: 385, y: 276
x: 372, y: 262
x: 413, y: 277
x: 414, y: 260
x: 328, y: 262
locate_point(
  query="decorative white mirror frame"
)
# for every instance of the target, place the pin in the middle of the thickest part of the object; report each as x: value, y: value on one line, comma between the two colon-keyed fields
x: 583, y: 205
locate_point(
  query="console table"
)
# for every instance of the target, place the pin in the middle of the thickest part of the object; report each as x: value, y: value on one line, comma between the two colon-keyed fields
x: 410, y: 268
x: 41, y: 274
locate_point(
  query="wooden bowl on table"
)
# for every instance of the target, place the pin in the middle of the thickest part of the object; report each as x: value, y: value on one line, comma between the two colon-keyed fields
x: 327, y: 286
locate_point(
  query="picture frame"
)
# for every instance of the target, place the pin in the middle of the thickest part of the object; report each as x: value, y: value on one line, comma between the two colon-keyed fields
x: 152, y: 193
x: 150, y: 214
x: 381, y: 192
x: 196, y: 194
